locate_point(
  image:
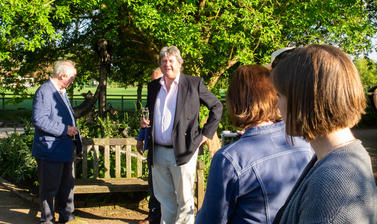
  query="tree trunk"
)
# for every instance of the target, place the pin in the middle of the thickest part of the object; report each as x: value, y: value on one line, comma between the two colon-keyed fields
x: 213, y: 145
x: 373, y: 97
x: 105, y: 58
x: 102, y: 93
x: 88, y: 104
x: 139, y: 99
x: 215, y: 76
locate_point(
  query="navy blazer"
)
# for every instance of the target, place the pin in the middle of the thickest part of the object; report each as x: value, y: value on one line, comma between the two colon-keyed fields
x: 186, y: 134
x: 51, y: 119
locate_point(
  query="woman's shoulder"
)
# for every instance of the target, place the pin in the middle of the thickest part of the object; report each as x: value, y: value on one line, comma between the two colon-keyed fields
x: 338, y: 186
x: 343, y: 175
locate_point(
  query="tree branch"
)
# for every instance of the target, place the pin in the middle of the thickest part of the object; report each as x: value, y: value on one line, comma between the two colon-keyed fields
x: 216, y: 75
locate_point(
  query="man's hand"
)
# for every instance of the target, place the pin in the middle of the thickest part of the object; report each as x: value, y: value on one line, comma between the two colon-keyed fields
x: 144, y: 123
x: 140, y: 146
x: 72, y: 131
x: 240, y: 132
x: 204, y: 139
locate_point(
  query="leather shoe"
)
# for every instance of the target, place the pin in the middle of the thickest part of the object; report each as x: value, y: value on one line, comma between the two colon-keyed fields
x: 149, y: 221
x: 145, y: 221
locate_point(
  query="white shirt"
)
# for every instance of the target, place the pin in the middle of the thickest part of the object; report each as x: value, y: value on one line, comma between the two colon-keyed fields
x: 164, y: 112
x: 63, y: 95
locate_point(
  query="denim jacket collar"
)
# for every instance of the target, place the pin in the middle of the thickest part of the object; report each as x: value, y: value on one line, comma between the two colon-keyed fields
x: 260, y: 130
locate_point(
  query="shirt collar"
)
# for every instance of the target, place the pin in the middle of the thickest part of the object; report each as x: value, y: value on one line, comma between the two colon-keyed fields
x: 258, y: 130
x: 176, y: 80
x: 62, y: 91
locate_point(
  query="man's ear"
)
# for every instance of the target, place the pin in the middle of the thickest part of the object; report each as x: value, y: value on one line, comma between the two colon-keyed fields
x: 63, y: 76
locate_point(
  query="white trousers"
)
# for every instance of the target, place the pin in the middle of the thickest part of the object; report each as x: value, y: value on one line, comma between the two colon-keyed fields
x: 173, y: 186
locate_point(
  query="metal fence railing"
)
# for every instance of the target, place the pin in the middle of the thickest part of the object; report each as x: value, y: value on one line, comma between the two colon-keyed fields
x: 118, y: 102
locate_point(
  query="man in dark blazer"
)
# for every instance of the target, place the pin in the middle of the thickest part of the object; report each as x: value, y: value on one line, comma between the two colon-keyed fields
x: 55, y: 128
x: 175, y: 136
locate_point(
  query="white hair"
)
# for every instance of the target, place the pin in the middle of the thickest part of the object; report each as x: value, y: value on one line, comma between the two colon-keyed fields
x: 171, y: 51
x: 63, y: 67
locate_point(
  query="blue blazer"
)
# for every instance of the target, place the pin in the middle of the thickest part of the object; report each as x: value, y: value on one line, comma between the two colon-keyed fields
x: 51, y: 119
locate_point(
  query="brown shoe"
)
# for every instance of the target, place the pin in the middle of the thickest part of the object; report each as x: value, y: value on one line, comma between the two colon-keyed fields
x: 149, y: 221
x: 145, y: 221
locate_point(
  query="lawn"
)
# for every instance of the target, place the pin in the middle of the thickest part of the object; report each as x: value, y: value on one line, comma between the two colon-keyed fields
x: 110, y: 91
x: 120, y: 99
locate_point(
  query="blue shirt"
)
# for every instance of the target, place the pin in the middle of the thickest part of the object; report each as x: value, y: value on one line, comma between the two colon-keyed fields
x: 250, y: 179
x: 143, y: 136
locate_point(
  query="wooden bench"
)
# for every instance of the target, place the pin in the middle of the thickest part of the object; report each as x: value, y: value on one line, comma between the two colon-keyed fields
x: 110, y: 177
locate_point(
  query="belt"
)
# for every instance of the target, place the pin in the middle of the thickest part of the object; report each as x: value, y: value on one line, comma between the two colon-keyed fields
x: 165, y: 146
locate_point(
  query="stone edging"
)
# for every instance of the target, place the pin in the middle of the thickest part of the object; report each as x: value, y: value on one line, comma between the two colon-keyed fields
x: 22, y: 193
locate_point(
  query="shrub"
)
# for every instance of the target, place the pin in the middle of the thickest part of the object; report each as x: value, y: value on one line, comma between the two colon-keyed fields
x: 92, y: 126
x: 16, y: 162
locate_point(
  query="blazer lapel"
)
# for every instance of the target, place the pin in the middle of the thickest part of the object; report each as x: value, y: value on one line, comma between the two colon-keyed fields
x: 58, y: 96
x: 182, y: 92
x: 69, y: 103
x: 156, y: 88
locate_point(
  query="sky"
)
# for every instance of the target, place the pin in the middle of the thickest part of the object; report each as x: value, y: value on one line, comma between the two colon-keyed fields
x: 373, y: 56
x: 373, y: 53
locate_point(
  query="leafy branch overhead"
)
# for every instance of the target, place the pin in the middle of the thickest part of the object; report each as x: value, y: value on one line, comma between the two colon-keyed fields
x: 214, y: 36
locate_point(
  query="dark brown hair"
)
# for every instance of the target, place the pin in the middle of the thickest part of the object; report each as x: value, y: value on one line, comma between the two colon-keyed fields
x: 323, y: 89
x: 251, y: 97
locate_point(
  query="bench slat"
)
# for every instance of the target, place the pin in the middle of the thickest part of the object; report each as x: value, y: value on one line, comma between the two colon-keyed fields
x: 110, y: 185
x: 117, y: 161
x: 107, y: 161
x: 139, y: 166
x: 95, y: 161
x: 128, y: 161
x: 85, y: 162
x: 109, y: 141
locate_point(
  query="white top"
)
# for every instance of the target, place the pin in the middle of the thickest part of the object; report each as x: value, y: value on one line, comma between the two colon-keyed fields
x: 164, y: 112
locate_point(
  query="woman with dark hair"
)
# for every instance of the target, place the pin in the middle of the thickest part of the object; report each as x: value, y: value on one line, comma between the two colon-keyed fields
x: 321, y: 98
x: 250, y: 179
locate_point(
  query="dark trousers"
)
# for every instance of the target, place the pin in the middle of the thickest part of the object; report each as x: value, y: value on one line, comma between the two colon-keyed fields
x: 56, y: 183
x: 153, y: 204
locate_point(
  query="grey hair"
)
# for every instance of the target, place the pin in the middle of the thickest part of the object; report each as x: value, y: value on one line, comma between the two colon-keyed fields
x: 170, y: 51
x: 63, y: 67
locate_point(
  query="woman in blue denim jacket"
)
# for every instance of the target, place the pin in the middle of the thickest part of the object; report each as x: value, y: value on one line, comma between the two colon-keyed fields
x: 250, y: 179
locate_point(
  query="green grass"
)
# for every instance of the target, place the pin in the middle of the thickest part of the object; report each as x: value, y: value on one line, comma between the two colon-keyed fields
x: 121, y: 99
x: 110, y: 91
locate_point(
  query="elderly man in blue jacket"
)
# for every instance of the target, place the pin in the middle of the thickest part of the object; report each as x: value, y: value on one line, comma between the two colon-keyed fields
x: 55, y: 131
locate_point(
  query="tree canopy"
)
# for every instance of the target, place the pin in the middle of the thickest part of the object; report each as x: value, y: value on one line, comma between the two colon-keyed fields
x: 368, y: 72
x: 214, y: 36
